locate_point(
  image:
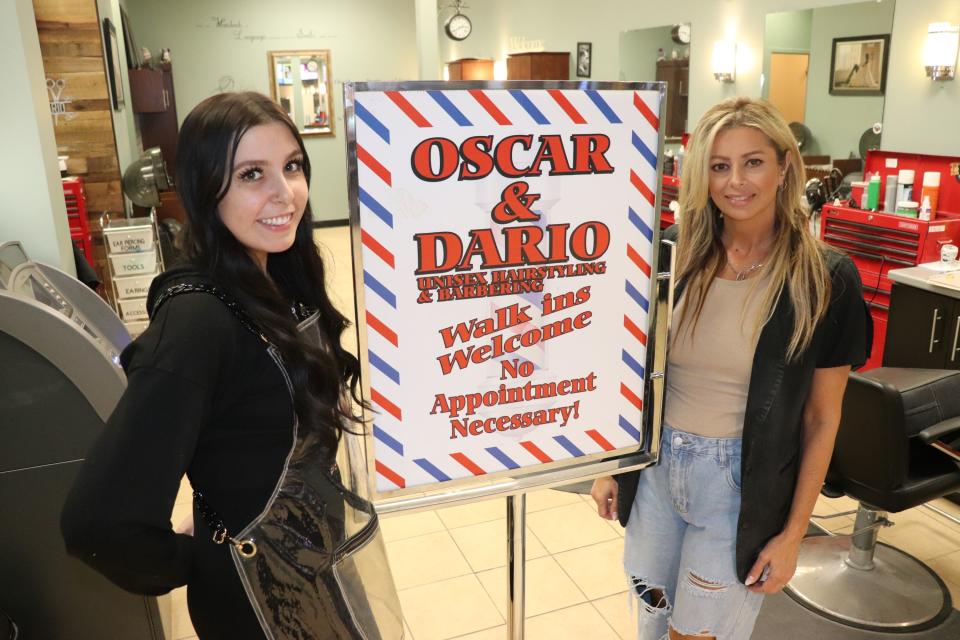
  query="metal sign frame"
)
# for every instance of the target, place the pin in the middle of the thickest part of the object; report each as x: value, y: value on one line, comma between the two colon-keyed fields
x: 507, y: 483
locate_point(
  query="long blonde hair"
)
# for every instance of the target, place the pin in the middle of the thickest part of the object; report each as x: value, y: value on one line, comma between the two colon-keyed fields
x: 795, y: 261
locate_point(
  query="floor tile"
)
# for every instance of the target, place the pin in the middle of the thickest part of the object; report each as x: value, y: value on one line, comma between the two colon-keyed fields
x: 615, y: 610
x: 597, y: 570
x: 495, y: 633
x: 182, y: 626
x: 921, y: 535
x: 448, y: 608
x: 947, y: 567
x: 568, y: 527
x: 483, y: 511
x: 548, y: 588
x: 954, y: 588
x: 425, y: 559
x: 549, y: 498
x: 185, y: 493
x: 573, y: 623
x: 401, y: 526
x: 484, y: 544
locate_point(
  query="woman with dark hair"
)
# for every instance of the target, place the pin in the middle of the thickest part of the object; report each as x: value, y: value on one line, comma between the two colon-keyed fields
x: 240, y: 383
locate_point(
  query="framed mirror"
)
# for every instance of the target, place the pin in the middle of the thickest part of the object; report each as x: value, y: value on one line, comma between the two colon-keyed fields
x: 300, y: 83
x: 663, y: 54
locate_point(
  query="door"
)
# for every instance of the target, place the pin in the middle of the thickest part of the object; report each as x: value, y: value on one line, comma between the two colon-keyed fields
x: 788, y: 84
x: 921, y: 329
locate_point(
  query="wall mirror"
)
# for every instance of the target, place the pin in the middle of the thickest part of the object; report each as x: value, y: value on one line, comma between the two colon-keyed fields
x: 300, y: 83
x: 661, y: 53
x: 797, y: 51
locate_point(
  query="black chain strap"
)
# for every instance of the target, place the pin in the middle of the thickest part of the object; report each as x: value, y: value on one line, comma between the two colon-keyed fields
x: 199, y: 287
x: 246, y: 548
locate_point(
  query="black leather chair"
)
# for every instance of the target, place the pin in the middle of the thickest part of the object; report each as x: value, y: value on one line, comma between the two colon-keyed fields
x: 893, y: 453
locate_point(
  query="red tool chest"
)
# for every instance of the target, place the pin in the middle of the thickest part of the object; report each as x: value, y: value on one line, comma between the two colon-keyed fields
x: 880, y: 241
x: 669, y: 191
x: 76, y: 201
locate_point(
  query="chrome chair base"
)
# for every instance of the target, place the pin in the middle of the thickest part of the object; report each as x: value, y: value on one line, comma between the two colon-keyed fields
x: 899, y: 593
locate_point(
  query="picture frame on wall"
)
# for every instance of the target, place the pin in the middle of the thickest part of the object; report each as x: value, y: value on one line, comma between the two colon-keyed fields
x: 112, y: 62
x: 858, y: 65
x: 584, y: 59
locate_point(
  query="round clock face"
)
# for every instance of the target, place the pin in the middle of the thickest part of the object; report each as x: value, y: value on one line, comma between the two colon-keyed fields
x: 312, y: 66
x: 681, y: 34
x: 458, y: 26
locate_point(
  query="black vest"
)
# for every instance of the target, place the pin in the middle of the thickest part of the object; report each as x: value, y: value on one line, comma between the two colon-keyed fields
x: 772, y: 428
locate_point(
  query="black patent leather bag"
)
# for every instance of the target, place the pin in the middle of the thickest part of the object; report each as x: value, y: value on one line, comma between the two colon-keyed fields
x: 313, y: 563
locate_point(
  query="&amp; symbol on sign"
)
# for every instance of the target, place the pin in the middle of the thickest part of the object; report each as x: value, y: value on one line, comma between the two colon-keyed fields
x: 515, y: 204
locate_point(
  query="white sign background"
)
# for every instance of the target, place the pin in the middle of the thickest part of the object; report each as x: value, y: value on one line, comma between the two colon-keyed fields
x: 415, y: 443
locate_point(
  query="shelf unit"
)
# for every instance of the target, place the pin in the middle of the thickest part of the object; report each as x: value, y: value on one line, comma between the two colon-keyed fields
x: 134, y: 259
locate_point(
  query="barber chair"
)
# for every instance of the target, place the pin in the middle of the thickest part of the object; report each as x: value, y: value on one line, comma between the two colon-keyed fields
x: 893, y: 453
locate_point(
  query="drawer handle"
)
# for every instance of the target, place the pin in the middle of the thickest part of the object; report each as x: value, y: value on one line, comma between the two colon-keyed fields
x: 956, y: 334
x: 933, y: 329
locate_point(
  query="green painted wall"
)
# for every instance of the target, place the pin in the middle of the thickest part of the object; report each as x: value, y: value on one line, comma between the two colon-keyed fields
x: 557, y: 25
x: 786, y: 32
x: 837, y: 122
x: 368, y: 40
x: 921, y: 116
x: 638, y: 52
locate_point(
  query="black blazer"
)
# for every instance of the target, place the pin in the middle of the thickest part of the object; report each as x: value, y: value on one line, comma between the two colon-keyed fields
x: 772, y: 428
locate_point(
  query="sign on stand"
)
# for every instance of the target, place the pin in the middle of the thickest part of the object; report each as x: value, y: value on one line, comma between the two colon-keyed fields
x: 504, y: 240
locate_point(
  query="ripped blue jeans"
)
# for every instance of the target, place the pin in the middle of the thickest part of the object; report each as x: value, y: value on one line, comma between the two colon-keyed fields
x: 681, y: 540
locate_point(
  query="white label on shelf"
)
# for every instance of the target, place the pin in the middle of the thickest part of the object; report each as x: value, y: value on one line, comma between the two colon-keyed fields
x: 891, y: 163
x: 912, y: 226
x: 937, y: 228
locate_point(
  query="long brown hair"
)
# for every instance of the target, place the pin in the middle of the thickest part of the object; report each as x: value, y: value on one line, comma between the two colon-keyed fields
x: 205, y: 155
x: 795, y: 265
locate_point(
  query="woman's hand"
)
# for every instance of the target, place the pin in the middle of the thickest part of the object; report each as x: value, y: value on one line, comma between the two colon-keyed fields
x: 604, y: 493
x: 775, y: 565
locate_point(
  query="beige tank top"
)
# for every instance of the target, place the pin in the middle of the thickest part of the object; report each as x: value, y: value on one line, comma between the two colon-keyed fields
x: 708, y: 371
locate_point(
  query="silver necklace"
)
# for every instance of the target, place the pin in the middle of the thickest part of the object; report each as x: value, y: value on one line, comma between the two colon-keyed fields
x: 742, y: 275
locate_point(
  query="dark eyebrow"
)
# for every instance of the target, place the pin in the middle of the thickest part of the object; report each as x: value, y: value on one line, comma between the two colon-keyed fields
x: 292, y: 155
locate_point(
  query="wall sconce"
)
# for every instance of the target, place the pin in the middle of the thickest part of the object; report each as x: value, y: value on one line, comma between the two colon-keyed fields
x: 940, y: 52
x: 725, y: 60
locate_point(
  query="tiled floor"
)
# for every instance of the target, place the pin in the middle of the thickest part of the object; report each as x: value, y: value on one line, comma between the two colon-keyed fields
x: 449, y: 564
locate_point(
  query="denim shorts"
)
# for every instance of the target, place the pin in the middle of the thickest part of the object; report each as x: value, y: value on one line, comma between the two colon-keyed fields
x: 681, y: 538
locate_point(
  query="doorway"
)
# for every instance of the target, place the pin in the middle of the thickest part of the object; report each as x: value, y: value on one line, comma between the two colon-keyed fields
x: 788, y: 84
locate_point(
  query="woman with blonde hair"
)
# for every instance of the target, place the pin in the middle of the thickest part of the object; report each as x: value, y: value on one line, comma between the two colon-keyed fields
x: 767, y: 324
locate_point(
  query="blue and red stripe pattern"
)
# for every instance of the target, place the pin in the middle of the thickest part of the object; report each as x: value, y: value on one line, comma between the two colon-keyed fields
x: 377, y: 201
x: 384, y: 120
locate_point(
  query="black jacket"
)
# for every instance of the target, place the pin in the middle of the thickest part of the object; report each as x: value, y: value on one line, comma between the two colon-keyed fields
x: 772, y: 428
x: 203, y: 398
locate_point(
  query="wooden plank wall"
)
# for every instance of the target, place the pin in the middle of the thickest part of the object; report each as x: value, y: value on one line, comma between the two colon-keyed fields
x: 70, y: 34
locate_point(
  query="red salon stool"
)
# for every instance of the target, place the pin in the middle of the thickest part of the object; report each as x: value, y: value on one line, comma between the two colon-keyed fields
x: 891, y: 455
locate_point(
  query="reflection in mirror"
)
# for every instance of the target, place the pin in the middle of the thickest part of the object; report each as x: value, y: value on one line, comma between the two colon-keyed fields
x: 300, y: 83
x: 661, y: 53
x: 798, y: 46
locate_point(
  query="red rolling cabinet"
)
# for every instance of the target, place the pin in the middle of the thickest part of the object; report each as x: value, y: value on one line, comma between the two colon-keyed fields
x: 76, y: 200
x: 880, y: 241
x: 669, y: 192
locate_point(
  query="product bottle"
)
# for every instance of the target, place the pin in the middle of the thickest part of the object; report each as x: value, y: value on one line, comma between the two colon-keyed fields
x: 678, y: 161
x: 873, y: 193
x: 931, y: 189
x: 925, y: 209
x: 890, y: 194
x: 905, y: 185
